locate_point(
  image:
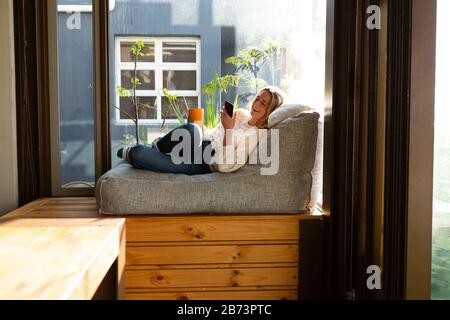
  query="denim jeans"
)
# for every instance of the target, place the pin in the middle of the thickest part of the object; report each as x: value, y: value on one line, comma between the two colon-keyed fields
x: 144, y: 157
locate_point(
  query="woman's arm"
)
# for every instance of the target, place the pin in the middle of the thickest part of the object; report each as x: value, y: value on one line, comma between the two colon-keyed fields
x: 232, y: 157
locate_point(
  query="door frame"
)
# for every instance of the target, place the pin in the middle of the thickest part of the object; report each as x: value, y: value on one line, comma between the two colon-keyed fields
x: 421, y: 150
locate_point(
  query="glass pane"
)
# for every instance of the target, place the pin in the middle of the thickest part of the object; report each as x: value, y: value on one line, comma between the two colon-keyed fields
x: 146, y: 77
x: 75, y: 57
x: 179, y: 52
x: 440, y: 279
x: 180, y: 80
x: 289, y: 51
x: 126, y: 54
x: 147, y: 108
x: 183, y: 103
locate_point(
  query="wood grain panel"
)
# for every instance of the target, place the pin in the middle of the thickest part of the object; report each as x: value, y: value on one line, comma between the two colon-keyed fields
x: 233, y: 277
x: 211, y: 266
x: 212, y: 289
x: 210, y: 243
x: 212, y: 228
x: 215, y: 295
x: 212, y: 254
x: 55, y: 262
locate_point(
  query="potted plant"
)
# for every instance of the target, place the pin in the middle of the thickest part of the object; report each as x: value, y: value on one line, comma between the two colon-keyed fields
x: 212, y: 89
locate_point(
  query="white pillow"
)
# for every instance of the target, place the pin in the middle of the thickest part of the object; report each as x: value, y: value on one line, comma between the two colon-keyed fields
x: 285, y: 111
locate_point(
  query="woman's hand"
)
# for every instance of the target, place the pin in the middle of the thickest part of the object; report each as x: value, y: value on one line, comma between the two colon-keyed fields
x: 227, y: 122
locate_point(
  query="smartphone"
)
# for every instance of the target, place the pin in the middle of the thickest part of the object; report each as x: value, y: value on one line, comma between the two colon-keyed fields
x: 229, y: 108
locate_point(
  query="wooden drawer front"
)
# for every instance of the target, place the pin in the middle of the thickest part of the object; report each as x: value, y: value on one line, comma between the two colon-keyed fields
x: 163, y: 255
x: 215, y: 295
x: 233, y: 277
x: 212, y: 228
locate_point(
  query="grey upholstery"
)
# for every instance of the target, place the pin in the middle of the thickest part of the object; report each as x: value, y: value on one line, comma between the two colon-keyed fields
x: 125, y: 190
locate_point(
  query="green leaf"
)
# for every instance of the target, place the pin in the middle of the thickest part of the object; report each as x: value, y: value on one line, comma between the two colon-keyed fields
x: 135, y: 81
x: 168, y: 95
x: 122, y: 92
x: 140, y: 44
x: 144, y: 136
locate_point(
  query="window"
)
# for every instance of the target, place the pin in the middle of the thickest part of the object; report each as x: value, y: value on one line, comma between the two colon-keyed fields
x: 188, y: 43
x: 440, y: 276
x: 72, y: 112
x: 171, y: 63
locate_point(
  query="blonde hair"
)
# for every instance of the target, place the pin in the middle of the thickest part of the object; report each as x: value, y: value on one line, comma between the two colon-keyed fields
x: 276, y: 100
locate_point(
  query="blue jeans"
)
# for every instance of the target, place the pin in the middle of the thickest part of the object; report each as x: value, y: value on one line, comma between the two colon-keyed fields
x: 144, y: 157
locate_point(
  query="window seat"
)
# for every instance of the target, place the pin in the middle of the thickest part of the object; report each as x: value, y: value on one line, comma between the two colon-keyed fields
x: 196, y: 256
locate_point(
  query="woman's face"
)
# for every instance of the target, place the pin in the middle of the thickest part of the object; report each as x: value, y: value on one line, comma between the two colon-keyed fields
x: 260, y: 106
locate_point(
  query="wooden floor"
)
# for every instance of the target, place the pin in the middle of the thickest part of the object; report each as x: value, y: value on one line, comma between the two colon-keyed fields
x: 197, y: 256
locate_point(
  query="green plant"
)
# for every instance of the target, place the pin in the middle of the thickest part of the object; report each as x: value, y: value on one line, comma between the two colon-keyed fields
x: 211, y: 90
x: 173, y: 103
x: 250, y: 61
x: 440, y: 280
x: 137, y: 51
x: 272, y: 50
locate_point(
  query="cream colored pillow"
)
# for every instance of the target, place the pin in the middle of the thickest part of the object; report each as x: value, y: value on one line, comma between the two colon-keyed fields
x: 285, y: 111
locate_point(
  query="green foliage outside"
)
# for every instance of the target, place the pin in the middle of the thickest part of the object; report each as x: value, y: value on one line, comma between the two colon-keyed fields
x: 137, y: 51
x: 440, y: 270
x: 248, y: 64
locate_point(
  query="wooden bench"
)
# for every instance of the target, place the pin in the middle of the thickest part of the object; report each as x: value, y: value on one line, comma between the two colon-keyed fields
x: 203, y: 256
x: 44, y: 256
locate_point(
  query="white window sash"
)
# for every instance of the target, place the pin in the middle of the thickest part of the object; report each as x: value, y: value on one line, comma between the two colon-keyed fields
x: 82, y: 8
x: 158, y: 67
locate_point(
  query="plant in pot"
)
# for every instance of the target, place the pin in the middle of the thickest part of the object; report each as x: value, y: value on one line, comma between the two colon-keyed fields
x: 214, y: 89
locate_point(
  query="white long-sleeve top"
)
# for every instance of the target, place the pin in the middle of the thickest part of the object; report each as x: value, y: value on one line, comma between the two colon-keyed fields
x: 245, y: 139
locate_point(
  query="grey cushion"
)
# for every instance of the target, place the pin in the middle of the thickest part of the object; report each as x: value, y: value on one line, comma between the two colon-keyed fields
x: 125, y: 190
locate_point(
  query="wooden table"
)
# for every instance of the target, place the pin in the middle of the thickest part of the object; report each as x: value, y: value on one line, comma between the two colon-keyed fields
x: 48, y: 251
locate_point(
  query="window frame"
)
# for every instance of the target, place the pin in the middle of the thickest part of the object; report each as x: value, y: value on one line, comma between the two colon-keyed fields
x: 57, y: 189
x: 158, y: 66
x: 82, y: 7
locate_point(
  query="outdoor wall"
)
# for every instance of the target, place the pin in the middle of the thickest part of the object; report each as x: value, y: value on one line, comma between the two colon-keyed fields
x: 8, y: 154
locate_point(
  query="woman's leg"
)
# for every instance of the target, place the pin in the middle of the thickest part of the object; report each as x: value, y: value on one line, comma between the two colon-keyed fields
x: 165, y: 144
x: 143, y: 157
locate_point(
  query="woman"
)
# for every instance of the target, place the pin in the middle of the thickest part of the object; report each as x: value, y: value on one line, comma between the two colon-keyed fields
x: 227, y: 143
